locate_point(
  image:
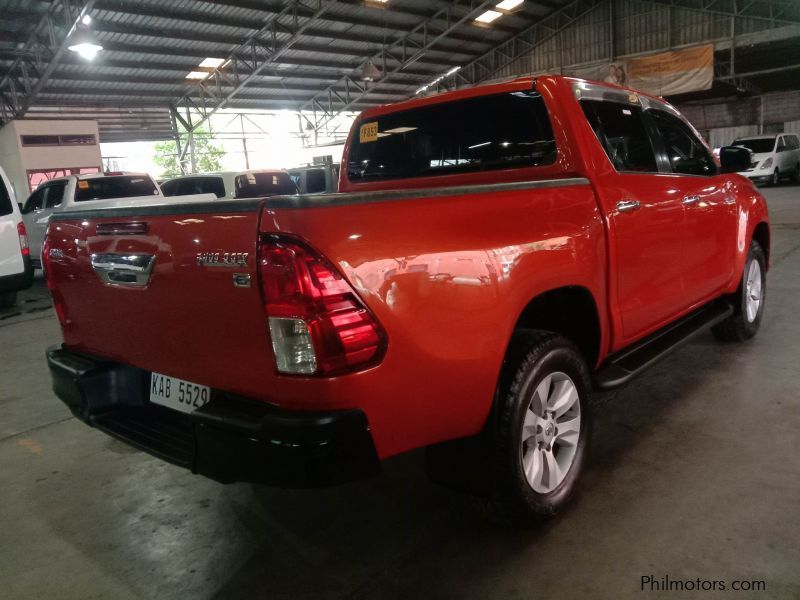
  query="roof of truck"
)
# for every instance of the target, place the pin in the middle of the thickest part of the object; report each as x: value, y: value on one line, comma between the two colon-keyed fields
x: 517, y: 84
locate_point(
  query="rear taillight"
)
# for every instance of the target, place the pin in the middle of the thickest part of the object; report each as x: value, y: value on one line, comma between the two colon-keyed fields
x: 317, y: 322
x: 23, y: 239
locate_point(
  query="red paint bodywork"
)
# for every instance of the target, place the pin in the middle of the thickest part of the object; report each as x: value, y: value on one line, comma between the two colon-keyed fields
x: 447, y: 277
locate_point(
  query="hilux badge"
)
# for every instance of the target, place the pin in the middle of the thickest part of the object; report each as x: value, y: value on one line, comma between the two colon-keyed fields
x: 222, y: 259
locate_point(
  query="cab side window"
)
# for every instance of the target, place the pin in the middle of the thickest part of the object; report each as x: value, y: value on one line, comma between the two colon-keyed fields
x: 782, y: 146
x: 54, y: 194
x: 35, y: 202
x: 687, y: 154
x: 621, y: 131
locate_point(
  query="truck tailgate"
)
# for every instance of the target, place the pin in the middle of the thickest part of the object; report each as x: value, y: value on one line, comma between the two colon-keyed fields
x: 197, y: 321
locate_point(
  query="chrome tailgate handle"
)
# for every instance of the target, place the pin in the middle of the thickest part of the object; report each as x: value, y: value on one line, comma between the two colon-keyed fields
x: 691, y: 200
x: 628, y: 205
x: 124, y: 269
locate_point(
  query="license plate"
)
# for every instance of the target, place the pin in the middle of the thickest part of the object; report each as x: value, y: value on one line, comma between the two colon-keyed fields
x: 177, y: 394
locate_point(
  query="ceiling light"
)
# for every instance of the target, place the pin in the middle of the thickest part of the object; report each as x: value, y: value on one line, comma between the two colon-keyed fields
x: 84, y: 42
x: 509, y: 4
x: 212, y: 63
x: 488, y: 16
x: 370, y: 72
x: 86, y: 20
x: 199, y: 75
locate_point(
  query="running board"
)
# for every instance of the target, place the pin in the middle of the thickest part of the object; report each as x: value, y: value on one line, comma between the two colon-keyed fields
x: 626, y: 364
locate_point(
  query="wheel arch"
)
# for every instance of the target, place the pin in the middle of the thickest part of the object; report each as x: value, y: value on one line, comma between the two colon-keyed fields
x: 570, y: 311
x: 761, y: 234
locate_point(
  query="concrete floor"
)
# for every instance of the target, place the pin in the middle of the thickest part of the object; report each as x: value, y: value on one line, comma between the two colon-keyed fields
x: 695, y: 472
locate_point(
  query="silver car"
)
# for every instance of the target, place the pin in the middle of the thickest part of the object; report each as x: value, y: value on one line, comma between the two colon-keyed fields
x: 775, y: 156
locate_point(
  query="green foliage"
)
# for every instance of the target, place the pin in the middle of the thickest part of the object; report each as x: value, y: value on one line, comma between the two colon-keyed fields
x: 207, y: 154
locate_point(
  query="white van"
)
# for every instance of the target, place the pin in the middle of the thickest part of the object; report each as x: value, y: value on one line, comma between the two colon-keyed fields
x: 16, y: 272
x: 775, y: 156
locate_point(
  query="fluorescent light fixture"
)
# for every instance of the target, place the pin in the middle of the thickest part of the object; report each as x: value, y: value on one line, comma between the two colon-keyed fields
x: 488, y: 16
x: 437, y: 80
x: 212, y: 63
x: 199, y: 75
x: 479, y: 145
x: 509, y: 4
x: 400, y: 130
x: 84, y: 43
x: 86, y: 20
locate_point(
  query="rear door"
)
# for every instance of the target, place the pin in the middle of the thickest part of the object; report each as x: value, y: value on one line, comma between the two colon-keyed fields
x: 709, y: 202
x: 646, y: 217
x: 10, y: 255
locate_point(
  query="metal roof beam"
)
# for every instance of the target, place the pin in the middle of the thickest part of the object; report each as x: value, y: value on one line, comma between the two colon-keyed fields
x: 400, y: 53
x: 525, y: 42
x: 250, y: 24
x: 773, y: 11
x: 32, y: 68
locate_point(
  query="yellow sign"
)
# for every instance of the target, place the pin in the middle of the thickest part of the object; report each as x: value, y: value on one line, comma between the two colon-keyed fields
x: 83, y: 184
x: 368, y: 132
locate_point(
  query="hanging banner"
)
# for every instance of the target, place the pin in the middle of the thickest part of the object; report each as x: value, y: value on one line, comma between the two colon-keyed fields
x: 664, y: 74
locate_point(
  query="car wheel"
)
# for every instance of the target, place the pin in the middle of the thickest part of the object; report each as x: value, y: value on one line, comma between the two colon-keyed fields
x: 796, y: 174
x: 8, y: 299
x: 749, y: 300
x: 541, y: 430
x: 776, y: 177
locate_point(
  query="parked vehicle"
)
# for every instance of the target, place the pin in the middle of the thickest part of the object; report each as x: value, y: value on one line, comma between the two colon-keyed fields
x: 775, y: 157
x: 86, y: 192
x: 232, y: 184
x: 465, y: 291
x: 16, y: 272
x: 316, y: 179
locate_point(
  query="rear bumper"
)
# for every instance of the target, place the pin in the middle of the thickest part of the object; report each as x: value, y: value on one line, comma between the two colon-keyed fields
x: 18, y: 281
x: 229, y: 439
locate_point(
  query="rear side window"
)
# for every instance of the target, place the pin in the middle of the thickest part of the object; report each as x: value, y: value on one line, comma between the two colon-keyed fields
x: 621, y: 131
x: 498, y: 131
x: 686, y: 153
x: 194, y: 185
x: 259, y: 185
x: 116, y: 186
x: 793, y: 142
x: 5, y: 200
x: 170, y: 188
x: 54, y: 194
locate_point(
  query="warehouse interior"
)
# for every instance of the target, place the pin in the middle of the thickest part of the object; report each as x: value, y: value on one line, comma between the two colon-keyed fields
x: 693, y: 471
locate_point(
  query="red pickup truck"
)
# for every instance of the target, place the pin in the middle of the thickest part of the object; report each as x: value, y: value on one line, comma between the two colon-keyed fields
x: 495, y: 255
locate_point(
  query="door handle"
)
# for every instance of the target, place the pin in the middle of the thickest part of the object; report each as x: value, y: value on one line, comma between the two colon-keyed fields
x: 624, y: 206
x: 690, y: 200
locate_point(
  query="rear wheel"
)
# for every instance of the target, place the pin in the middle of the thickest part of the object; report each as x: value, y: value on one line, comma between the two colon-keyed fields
x: 542, y: 428
x: 748, y: 300
x: 8, y: 299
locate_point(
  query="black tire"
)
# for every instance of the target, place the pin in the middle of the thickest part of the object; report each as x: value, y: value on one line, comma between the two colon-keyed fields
x: 739, y: 327
x: 796, y: 174
x: 533, y: 356
x: 8, y: 299
x: 775, y: 179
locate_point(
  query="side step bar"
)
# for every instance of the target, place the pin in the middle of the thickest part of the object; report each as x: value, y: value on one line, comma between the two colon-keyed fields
x: 623, y: 366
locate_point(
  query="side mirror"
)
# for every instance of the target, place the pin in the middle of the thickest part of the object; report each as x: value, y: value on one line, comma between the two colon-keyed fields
x: 733, y: 159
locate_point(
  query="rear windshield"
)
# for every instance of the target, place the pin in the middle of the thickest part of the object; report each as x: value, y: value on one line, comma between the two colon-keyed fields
x: 757, y: 146
x: 116, y: 186
x: 498, y: 131
x: 258, y: 185
x: 194, y: 185
x: 5, y: 200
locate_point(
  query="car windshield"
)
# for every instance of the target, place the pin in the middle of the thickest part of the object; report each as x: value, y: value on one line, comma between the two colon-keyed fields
x: 757, y: 146
x: 116, y: 186
x: 258, y: 185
